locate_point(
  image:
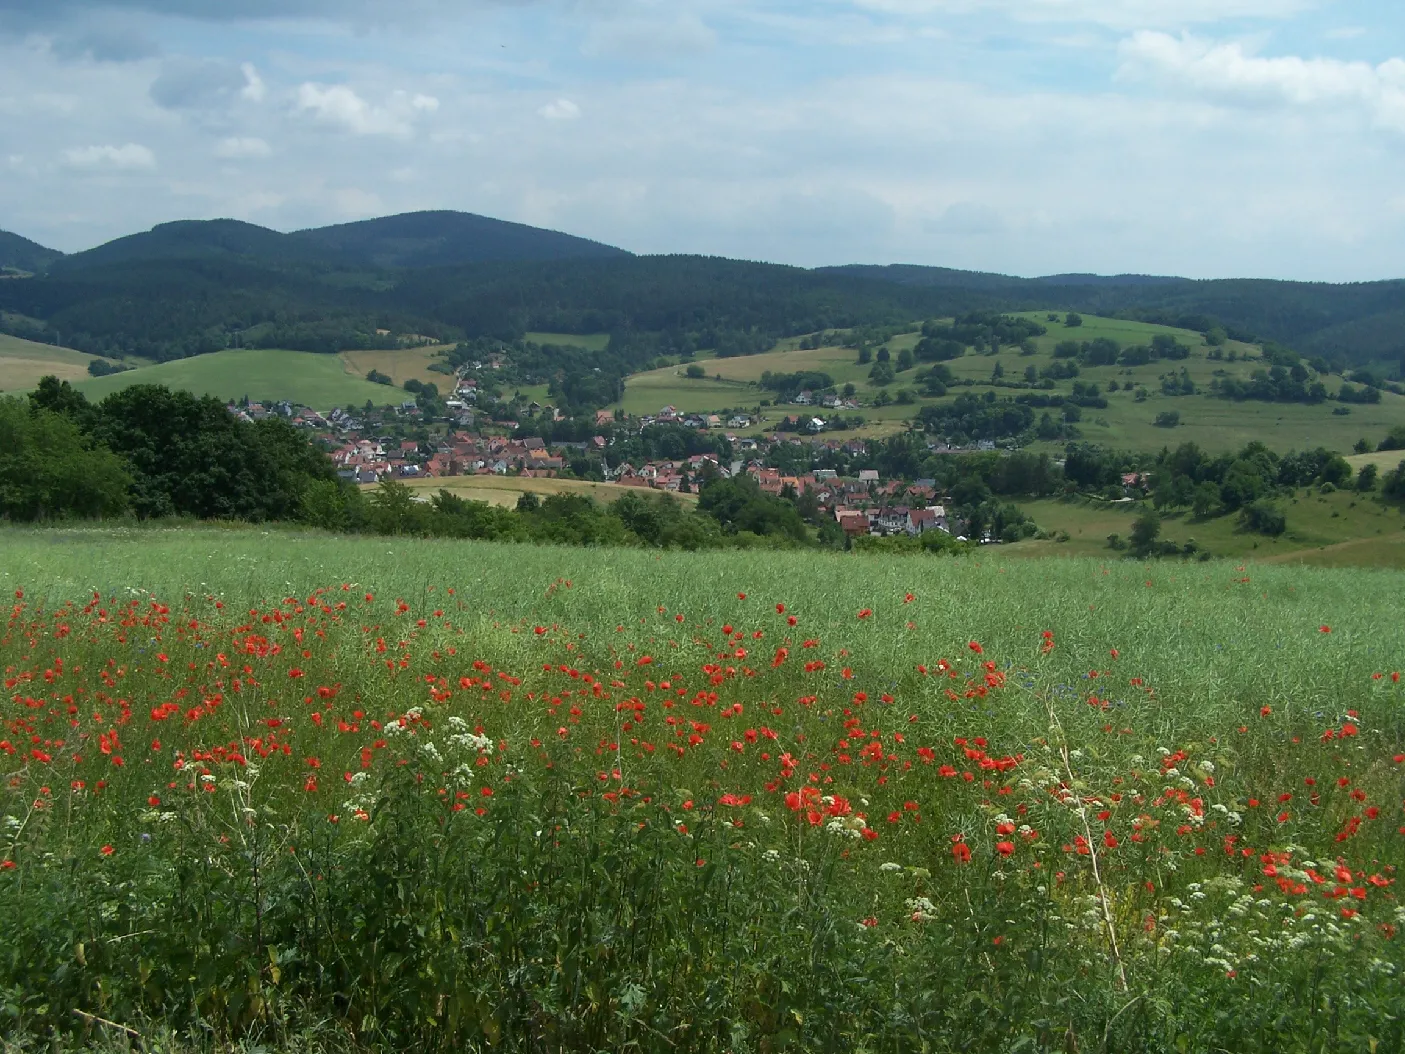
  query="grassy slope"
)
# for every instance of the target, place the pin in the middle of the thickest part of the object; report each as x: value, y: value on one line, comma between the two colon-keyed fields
x: 505, y: 490
x: 1216, y: 424
x: 319, y: 381
x: 401, y: 366
x: 23, y: 363
x: 589, y: 341
x: 1341, y: 529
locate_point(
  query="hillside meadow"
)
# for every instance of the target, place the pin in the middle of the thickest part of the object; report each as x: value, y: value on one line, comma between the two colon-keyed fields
x: 301, y: 792
x: 1342, y: 528
x: 23, y: 363
x: 1126, y: 424
x: 504, y: 491
x: 315, y: 380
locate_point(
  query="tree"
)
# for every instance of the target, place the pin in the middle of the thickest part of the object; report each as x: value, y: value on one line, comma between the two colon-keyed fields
x: 865, y: 356
x: 1366, y: 479
x: 1073, y: 320
x: 1145, y: 530
x: 1205, y: 500
x: 1264, y: 517
x: 696, y: 372
x: 906, y: 360
x: 1168, y: 419
x: 50, y: 470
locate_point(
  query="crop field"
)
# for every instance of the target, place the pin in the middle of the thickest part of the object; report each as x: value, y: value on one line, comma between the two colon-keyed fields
x: 23, y: 363
x: 1340, y: 528
x: 323, y: 794
x: 504, y: 491
x: 318, y: 381
x: 402, y: 365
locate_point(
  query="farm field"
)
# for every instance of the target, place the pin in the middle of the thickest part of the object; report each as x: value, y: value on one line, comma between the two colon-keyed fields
x: 402, y: 365
x: 505, y: 490
x: 1215, y: 424
x: 23, y: 363
x: 1384, y: 460
x: 327, y: 794
x: 1341, y: 528
x: 318, y: 381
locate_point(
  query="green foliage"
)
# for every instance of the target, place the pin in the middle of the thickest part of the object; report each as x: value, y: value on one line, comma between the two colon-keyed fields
x: 467, y: 850
x: 696, y: 372
x: 376, y: 377
x: 50, y: 471
x: 1145, y: 531
x: 1168, y: 419
x: 1263, y: 517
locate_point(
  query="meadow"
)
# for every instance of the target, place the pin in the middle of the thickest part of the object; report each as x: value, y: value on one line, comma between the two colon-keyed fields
x: 304, y: 792
x: 1340, y: 528
x: 504, y: 491
x: 1126, y: 424
x: 318, y: 381
x: 402, y: 365
x: 23, y: 363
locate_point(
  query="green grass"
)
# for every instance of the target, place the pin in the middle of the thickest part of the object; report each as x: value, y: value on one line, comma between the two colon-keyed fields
x: 318, y: 381
x: 1341, y: 529
x: 23, y: 363
x: 1217, y: 425
x: 589, y: 341
x: 383, y: 793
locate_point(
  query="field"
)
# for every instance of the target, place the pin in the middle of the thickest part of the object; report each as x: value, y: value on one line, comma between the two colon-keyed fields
x: 402, y: 365
x: 1341, y: 528
x: 505, y: 490
x: 590, y: 341
x: 23, y: 363
x: 319, y: 381
x: 1216, y: 424
x: 316, y: 793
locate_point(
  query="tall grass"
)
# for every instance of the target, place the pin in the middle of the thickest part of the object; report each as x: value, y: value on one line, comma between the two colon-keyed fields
x: 291, y: 789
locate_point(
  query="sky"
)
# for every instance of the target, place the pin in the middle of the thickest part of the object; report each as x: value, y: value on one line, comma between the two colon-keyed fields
x: 1206, y: 138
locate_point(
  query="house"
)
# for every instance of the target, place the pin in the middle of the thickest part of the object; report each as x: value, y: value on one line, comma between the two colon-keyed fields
x: 604, y: 418
x: 804, y: 398
x: 854, y: 524
x: 892, y: 519
x: 868, y: 475
x: 920, y: 521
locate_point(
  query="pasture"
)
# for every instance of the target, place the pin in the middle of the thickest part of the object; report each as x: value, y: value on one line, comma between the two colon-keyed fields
x: 336, y: 794
x: 1337, y: 529
x: 1215, y: 424
x: 264, y: 374
x: 504, y: 491
x: 23, y: 363
x: 401, y: 365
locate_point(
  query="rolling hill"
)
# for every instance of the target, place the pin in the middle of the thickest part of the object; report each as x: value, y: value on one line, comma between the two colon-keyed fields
x: 22, y: 255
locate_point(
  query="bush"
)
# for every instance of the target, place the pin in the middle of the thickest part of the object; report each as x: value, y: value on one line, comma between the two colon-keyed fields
x: 696, y: 372
x: 1263, y: 517
x: 1168, y: 419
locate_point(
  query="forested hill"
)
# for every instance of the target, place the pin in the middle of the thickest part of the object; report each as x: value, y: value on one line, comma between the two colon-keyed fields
x: 21, y: 254
x: 196, y: 286
x: 1357, y: 322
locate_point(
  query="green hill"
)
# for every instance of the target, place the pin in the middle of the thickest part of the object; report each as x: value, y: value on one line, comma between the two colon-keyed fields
x: 269, y: 375
x: 24, y: 256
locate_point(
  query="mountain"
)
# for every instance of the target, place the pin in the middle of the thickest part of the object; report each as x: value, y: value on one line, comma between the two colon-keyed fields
x: 416, y: 239
x: 434, y: 239
x: 21, y: 254
x: 194, y: 286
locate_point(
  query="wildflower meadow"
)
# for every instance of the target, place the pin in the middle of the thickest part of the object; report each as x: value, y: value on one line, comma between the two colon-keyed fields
x: 303, y: 793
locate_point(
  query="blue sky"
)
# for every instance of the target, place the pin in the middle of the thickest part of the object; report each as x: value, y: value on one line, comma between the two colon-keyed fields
x: 1209, y: 138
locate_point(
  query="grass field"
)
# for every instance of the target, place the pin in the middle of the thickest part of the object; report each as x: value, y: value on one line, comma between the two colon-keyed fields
x: 589, y: 341
x: 1216, y: 424
x: 402, y: 365
x: 505, y: 490
x: 316, y: 793
x: 1384, y: 460
x: 1338, y: 529
x: 23, y: 363
x: 319, y: 381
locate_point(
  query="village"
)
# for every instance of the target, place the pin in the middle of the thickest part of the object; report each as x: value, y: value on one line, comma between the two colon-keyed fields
x: 373, y: 447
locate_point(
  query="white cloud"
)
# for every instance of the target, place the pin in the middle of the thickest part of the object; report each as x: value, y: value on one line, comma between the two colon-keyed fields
x: 1124, y: 14
x: 560, y: 110
x: 129, y: 156
x: 236, y: 147
x: 1346, y: 33
x: 1228, y: 72
x: 340, y: 106
x: 253, y: 90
